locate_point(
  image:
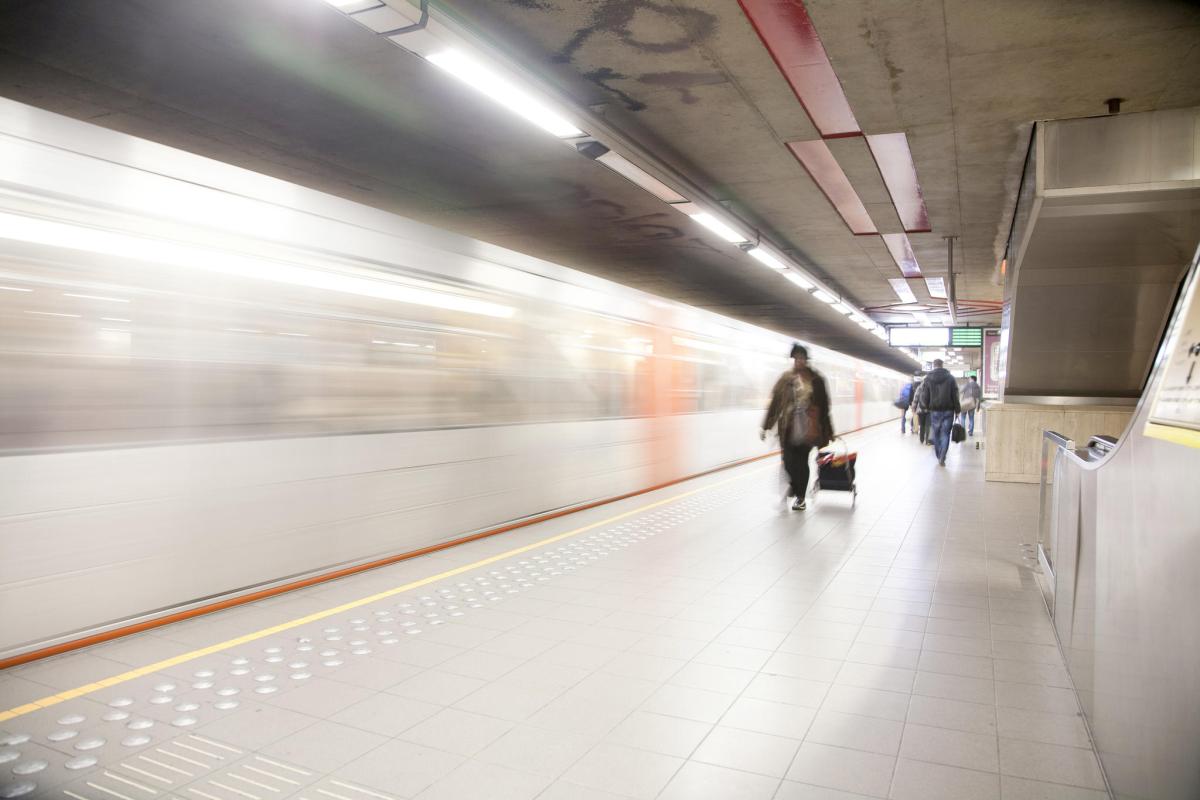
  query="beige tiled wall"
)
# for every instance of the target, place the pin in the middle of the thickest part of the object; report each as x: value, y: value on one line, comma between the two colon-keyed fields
x: 1014, y: 434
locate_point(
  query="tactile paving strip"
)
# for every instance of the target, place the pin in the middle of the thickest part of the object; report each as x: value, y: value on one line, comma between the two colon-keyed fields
x: 134, y: 745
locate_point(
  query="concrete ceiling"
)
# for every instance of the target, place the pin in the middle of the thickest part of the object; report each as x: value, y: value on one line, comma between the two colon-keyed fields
x: 294, y: 89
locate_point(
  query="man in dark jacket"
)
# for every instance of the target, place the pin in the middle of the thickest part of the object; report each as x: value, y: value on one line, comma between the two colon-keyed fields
x: 939, y: 396
x: 799, y: 410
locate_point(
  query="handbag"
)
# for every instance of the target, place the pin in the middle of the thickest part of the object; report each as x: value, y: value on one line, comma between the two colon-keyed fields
x: 957, y: 433
x: 967, y: 405
x: 806, y: 428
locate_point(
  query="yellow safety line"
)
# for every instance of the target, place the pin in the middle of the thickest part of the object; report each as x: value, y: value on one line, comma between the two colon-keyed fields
x: 167, y: 663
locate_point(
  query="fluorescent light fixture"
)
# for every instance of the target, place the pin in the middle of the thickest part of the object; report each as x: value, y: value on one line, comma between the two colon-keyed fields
x: 936, y: 287
x: 843, y: 308
x: 14, y: 289
x: 824, y: 296
x: 211, y: 260
x: 636, y: 175
x: 53, y: 314
x: 350, y: 6
x: 798, y: 279
x: 718, y: 227
x: 286, y: 333
x: 764, y: 257
x: 243, y: 330
x: 504, y: 92
x: 115, y: 319
x: 902, y: 290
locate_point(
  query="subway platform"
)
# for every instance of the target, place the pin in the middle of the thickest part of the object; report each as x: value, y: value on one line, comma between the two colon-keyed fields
x: 698, y: 642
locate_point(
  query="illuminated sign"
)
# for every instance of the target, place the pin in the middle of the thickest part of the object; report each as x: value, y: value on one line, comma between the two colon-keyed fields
x: 966, y: 337
x: 918, y: 337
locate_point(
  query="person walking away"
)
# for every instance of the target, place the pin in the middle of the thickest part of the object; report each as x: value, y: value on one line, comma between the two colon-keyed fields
x: 799, y: 411
x: 904, y: 402
x: 920, y: 416
x: 972, y: 396
x: 939, y: 397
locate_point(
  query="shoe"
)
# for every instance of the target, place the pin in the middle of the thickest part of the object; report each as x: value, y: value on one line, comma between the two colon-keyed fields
x: 942, y: 462
x: 799, y: 505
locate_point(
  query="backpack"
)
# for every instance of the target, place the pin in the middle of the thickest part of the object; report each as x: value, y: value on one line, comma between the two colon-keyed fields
x: 905, y: 398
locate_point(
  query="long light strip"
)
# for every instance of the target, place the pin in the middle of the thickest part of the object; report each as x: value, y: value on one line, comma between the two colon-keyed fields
x: 718, y: 227
x: 936, y: 287
x: 636, y: 175
x: 204, y: 259
x: 503, y: 92
x: 350, y: 6
x: 765, y: 258
x: 799, y: 280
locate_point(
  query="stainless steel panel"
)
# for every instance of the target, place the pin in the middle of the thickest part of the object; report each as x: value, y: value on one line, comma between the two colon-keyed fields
x: 1121, y: 149
x: 1100, y: 258
x: 1126, y: 604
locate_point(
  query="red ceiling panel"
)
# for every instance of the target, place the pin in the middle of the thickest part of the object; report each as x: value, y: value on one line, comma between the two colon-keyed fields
x: 895, y: 163
x: 828, y: 174
x: 788, y: 33
x: 902, y: 253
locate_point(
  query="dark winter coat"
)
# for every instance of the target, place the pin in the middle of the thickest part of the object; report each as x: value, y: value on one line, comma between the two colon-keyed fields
x: 939, y: 392
x: 779, y: 412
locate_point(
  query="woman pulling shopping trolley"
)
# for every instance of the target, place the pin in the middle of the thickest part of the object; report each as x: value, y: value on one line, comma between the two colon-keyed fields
x: 799, y: 411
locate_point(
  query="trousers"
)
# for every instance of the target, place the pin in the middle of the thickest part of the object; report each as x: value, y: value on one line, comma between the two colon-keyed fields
x: 940, y: 422
x: 795, y: 463
x: 964, y: 418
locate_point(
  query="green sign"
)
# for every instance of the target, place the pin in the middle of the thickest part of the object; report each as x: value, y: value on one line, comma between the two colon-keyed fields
x: 966, y: 337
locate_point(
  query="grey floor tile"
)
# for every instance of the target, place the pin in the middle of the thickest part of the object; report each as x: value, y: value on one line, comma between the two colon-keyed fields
x: 763, y: 716
x: 320, y: 697
x: 868, y: 702
x: 919, y: 780
x: 456, y: 731
x: 954, y: 748
x: 856, y: 732
x: 477, y: 779
x: 256, y: 726
x: 697, y: 781
x: 839, y: 768
x: 1051, y: 763
x: 954, y: 714
x: 624, y: 770
x: 400, y: 767
x: 748, y: 751
x: 386, y: 714
x: 1013, y: 788
x: 536, y: 750
x: 669, y: 735
x: 324, y: 746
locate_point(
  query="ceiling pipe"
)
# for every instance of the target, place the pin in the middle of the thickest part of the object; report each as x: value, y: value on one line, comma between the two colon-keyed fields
x: 951, y: 293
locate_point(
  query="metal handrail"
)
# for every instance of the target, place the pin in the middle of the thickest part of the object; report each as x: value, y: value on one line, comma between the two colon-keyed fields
x: 1055, y: 442
x: 1058, y: 439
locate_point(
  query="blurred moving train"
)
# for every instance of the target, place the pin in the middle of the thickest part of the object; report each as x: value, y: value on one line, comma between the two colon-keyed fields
x: 215, y: 380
